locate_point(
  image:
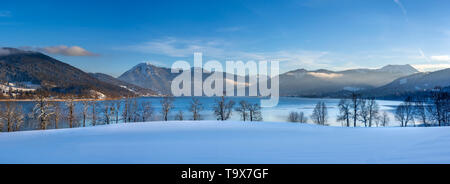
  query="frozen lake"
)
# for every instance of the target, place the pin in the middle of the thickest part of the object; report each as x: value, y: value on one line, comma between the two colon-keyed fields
x: 278, y: 113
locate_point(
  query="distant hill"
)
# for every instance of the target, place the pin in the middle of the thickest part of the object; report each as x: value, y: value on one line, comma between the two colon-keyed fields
x: 418, y: 82
x: 299, y: 82
x: 149, y: 76
x: 159, y: 79
x: 53, y: 76
x: 131, y: 87
x: 302, y: 82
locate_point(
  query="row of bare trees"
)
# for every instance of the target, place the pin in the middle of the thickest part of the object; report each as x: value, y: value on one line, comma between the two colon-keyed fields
x: 432, y: 110
x: 49, y: 114
x: 11, y: 116
x: 352, y: 111
x: 359, y: 110
x: 319, y: 115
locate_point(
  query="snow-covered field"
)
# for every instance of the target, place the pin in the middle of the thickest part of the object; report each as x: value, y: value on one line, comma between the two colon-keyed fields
x: 226, y: 142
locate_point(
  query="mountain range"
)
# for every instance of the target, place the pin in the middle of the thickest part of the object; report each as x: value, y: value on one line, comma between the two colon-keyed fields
x: 146, y: 79
x: 301, y: 82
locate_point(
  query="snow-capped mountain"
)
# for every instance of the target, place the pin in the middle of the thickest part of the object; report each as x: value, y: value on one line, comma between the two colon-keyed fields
x: 302, y: 82
x: 299, y: 82
x: 404, y: 69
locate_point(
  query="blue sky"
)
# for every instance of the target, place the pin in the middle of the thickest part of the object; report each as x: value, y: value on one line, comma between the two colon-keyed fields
x: 111, y: 36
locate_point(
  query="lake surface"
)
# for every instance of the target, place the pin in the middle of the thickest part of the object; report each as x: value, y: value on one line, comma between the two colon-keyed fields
x: 278, y: 113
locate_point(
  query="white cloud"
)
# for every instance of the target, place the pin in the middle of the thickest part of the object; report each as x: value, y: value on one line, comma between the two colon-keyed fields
x: 325, y: 75
x: 431, y: 67
x: 66, y: 51
x: 440, y: 58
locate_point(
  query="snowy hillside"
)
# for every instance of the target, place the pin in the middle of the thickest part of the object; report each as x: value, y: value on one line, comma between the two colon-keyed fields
x: 226, y: 142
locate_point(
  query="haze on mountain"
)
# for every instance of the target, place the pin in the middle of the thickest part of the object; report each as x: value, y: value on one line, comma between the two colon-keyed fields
x: 319, y: 83
x: 301, y: 82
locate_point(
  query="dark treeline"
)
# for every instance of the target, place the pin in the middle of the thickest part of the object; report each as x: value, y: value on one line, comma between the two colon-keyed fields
x: 427, y: 110
x: 46, y: 114
x: 432, y: 109
x: 423, y: 110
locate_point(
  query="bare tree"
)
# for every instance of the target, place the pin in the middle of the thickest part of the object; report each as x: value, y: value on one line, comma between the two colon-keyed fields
x: 195, y: 108
x: 293, y: 117
x: 384, y: 119
x: 147, y: 111
x: 167, y: 105
x: 85, y: 111
x: 409, y: 110
x: 420, y: 111
x: 242, y: 109
x: 373, y: 109
x: 125, y: 110
x: 344, y: 111
x: 94, y: 112
x: 117, y: 106
x: 320, y: 114
x: 2, y: 125
x: 12, y: 116
x: 136, y: 110
x: 18, y: 118
x: 404, y: 112
x: 439, y: 110
x: 7, y: 115
x: 106, y: 112
x: 363, y: 111
x: 223, y: 109
x: 42, y: 111
x: 254, y: 112
x: 354, y: 106
x: 58, y: 114
x: 70, y: 111
x: 297, y: 117
x: 400, y: 114
x: 179, y: 116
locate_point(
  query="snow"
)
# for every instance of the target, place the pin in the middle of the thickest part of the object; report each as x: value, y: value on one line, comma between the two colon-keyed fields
x: 125, y: 87
x: 98, y: 94
x: 227, y: 142
x: 23, y: 87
